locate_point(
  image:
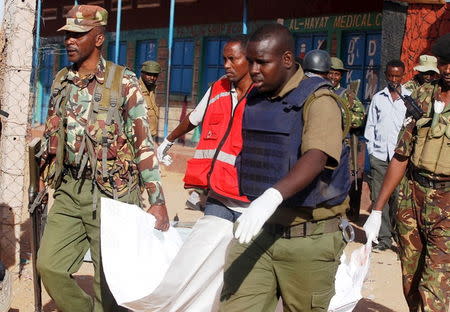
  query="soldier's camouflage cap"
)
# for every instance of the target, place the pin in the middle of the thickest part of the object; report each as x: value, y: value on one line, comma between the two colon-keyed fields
x: 82, y: 18
x: 337, y: 64
x: 441, y: 48
x: 151, y: 67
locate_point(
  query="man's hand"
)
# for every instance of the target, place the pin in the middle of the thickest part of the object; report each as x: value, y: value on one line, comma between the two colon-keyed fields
x: 253, y: 218
x: 372, y: 226
x: 159, y: 211
x: 161, y: 152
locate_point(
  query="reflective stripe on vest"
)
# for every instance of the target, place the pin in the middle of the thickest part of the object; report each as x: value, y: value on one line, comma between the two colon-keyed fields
x: 213, y: 164
x: 222, y: 156
x: 218, y: 96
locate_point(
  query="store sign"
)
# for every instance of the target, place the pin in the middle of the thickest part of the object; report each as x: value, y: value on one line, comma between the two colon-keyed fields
x: 342, y: 22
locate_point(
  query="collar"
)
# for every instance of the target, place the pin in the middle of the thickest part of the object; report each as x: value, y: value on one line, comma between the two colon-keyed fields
x: 404, y: 91
x: 233, y: 88
x: 291, y: 84
x: 337, y: 87
x: 82, y: 82
x: 386, y: 92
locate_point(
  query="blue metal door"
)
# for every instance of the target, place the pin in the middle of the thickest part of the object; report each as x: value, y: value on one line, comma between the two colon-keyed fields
x: 44, y: 85
x: 361, y: 53
x: 307, y: 42
x: 182, y: 66
x: 212, y: 61
x: 145, y: 51
x: 63, y: 60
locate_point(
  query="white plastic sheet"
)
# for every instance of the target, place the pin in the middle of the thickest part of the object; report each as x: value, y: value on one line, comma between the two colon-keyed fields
x: 152, y: 271
x: 142, y: 270
x: 135, y: 256
x: 349, y: 280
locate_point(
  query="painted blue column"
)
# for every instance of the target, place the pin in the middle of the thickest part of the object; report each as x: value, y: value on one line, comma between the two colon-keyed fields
x: 169, y: 64
x: 118, y: 21
x: 35, y: 76
x: 244, y: 17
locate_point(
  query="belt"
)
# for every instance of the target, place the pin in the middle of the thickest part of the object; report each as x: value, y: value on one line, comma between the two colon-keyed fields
x: 426, y: 182
x: 303, y: 229
x: 87, y: 172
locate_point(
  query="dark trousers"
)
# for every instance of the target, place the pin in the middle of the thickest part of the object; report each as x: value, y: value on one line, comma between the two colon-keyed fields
x: 378, y: 170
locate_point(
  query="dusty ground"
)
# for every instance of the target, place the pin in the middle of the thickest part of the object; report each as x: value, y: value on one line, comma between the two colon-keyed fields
x: 382, y: 289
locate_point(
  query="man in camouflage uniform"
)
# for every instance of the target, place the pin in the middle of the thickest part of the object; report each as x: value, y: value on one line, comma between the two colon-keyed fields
x: 354, y: 104
x: 357, y: 114
x: 149, y: 74
x: 423, y: 216
x: 427, y: 72
x: 96, y: 144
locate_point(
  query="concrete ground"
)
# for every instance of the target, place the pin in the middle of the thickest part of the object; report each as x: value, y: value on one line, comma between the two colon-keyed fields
x: 381, y: 291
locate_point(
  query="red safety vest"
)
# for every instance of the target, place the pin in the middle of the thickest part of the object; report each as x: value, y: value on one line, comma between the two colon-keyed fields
x: 213, y: 165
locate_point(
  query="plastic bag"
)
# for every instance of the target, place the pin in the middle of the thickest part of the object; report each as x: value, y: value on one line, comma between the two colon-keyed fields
x: 349, y: 280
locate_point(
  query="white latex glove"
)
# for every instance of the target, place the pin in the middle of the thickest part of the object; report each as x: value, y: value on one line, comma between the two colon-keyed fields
x: 372, y: 226
x: 253, y: 218
x: 161, y: 152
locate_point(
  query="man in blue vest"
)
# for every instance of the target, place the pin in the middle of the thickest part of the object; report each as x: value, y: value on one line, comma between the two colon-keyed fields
x: 295, y: 170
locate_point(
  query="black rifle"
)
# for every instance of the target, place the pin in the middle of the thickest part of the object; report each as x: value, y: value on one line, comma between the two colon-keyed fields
x: 38, y: 210
x: 356, y: 158
x: 412, y: 108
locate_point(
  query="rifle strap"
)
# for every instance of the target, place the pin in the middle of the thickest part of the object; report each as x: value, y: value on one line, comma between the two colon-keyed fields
x: 60, y: 151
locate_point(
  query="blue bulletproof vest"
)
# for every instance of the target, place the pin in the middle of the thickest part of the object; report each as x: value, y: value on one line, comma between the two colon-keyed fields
x: 272, y: 137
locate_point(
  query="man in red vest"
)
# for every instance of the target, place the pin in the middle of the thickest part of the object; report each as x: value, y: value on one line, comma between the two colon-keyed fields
x: 196, y: 273
x: 220, y: 112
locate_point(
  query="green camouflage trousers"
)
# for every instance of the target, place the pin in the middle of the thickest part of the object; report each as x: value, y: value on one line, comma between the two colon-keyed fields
x: 423, y: 227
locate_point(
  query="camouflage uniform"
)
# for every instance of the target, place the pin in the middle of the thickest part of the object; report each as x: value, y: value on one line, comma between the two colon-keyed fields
x: 357, y: 109
x: 123, y: 157
x: 412, y: 85
x: 96, y: 144
x: 423, y: 221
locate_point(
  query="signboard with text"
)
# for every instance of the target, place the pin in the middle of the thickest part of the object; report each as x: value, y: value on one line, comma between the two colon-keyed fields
x: 366, y: 21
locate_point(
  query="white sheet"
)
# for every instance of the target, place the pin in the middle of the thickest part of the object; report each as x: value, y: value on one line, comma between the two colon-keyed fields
x: 147, y: 276
x: 152, y: 271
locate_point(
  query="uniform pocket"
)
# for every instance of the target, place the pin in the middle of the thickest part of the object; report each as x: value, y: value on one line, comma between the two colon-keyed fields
x: 197, y: 172
x: 321, y: 299
x: 226, y: 175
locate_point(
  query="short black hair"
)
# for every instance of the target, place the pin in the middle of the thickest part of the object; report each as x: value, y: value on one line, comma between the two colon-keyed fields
x: 281, y: 33
x: 242, y: 39
x: 395, y: 63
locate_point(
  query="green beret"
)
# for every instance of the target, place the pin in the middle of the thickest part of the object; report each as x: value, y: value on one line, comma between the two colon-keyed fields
x: 151, y: 67
x: 441, y: 48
